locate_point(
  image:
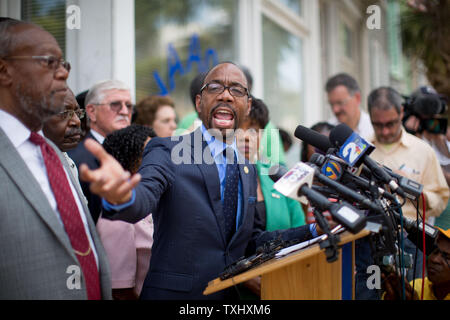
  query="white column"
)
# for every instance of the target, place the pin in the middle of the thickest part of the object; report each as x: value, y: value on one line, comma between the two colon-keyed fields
x: 312, y: 72
x: 104, y: 46
x: 123, y: 43
x: 250, y: 41
x: 10, y: 8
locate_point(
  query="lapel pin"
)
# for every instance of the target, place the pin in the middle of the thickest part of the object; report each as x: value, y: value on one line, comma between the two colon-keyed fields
x: 246, y: 169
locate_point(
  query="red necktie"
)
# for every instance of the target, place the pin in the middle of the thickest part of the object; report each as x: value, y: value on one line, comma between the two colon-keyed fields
x: 70, y: 216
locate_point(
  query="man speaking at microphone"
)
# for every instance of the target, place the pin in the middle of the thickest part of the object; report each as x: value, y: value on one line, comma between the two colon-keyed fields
x: 203, y: 207
x: 408, y: 156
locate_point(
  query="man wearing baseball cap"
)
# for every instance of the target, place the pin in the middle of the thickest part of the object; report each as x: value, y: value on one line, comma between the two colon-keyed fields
x: 437, y: 283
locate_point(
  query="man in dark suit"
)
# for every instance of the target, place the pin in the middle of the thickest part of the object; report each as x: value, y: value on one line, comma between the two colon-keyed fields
x: 109, y: 108
x: 49, y: 248
x: 200, y: 191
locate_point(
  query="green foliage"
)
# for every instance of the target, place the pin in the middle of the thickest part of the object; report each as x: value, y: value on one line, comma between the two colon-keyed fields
x: 426, y: 35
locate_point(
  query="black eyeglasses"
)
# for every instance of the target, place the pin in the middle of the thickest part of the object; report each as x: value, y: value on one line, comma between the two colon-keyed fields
x: 389, y: 125
x: 51, y: 62
x: 116, y: 106
x: 218, y: 88
x: 68, y: 114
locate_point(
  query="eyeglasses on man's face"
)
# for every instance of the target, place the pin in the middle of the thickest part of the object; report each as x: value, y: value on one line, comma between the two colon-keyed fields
x: 116, y: 106
x: 217, y: 88
x: 389, y: 125
x: 50, y: 62
x: 341, y: 103
x: 68, y: 114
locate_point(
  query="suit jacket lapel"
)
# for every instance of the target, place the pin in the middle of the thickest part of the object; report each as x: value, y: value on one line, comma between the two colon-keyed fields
x: 32, y: 192
x: 243, y: 172
x: 210, y: 176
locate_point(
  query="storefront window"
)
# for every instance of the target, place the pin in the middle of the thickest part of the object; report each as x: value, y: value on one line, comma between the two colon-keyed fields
x: 294, y: 5
x: 50, y: 15
x: 177, y: 39
x: 283, y: 80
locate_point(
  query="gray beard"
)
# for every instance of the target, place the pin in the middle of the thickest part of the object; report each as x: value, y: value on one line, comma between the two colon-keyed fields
x: 40, y: 110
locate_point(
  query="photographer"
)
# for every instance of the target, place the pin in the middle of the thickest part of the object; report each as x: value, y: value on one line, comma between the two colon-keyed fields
x: 437, y: 283
x: 425, y: 116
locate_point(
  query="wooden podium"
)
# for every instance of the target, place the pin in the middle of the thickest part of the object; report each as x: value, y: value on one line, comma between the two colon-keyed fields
x: 301, y: 275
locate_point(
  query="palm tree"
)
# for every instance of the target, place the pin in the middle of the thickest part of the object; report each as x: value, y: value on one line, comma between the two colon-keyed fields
x: 425, y: 28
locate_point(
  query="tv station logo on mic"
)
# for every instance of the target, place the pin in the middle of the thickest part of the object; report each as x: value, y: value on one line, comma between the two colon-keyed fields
x: 354, y: 148
x: 332, y: 169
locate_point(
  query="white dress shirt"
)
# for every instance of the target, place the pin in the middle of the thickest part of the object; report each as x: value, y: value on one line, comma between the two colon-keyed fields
x: 31, y: 154
x: 364, y: 128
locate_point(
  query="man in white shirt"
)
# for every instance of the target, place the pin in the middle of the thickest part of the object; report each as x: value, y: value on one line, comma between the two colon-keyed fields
x: 41, y: 257
x: 344, y: 97
x: 109, y: 108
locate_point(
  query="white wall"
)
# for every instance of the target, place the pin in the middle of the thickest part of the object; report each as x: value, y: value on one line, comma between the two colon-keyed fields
x: 10, y: 8
x: 103, y: 48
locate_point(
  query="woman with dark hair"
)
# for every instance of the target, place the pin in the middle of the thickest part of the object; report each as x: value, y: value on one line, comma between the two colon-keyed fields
x: 128, y: 246
x: 278, y: 211
x: 306, y: 153
x: 307, y: 150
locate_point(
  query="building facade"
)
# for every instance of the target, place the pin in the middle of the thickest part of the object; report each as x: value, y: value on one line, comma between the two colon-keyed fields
x: 290, y: 47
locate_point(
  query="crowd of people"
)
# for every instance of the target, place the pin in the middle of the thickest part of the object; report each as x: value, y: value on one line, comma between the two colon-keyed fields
x: 104, y: 199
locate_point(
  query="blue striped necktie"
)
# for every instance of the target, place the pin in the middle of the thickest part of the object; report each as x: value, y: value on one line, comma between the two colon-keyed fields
x: 230, y: 199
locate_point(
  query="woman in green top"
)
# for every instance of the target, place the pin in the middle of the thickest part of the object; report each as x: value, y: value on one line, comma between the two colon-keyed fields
x: 264, y: 149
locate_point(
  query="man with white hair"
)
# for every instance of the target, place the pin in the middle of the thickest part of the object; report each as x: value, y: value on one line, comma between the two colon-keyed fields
x: 109, y: 108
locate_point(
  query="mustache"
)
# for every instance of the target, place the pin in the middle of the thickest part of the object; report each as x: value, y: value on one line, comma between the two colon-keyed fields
x: 121, y: 117
x: 73, y: 132
x: 223, y: 104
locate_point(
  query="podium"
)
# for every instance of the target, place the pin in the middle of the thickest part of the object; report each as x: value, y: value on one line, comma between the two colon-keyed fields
x: 300, y: 275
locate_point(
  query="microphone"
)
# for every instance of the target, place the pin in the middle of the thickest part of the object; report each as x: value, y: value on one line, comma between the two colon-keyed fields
x: 313, y: 138
x: 347, y: 192
x: 333, y: 167
x: 415, y: 230
x: 355, y: 150
x: 412, y: 188
x: 296, y: 183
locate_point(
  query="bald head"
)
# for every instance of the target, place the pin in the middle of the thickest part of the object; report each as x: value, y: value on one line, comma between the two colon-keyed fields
x: 8, y: 34
x: 32, y: 79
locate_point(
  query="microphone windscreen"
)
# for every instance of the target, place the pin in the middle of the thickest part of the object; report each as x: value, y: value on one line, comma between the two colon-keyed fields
x: 339, y: 134
x: 313, y: 138
x: 276, y: 172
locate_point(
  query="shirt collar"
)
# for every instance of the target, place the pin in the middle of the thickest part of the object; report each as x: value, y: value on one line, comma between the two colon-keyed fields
x: 404, y: 139
x: 98, y: 136
x: 216, y: 146
x: 15, y: 130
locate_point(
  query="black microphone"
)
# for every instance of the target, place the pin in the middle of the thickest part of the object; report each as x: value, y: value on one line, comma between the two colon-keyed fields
x: 415, y: 232
x: 347, y: 192
x: 345, y: 176
x: 343, y: 137
x: 313, y: 138
x: 296, y: 183
x: 412, y: 188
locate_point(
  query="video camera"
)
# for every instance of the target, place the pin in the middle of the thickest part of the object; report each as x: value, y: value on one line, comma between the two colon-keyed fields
x: 429, y: 107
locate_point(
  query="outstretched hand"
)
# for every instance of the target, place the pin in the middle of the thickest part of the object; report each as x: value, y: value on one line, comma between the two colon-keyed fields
x: 110, y: 181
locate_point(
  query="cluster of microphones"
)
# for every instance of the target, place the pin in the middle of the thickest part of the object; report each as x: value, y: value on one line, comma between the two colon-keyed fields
x: 358, y: 192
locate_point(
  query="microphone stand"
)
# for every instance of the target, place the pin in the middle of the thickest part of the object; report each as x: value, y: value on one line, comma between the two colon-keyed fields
x: 330, y: 244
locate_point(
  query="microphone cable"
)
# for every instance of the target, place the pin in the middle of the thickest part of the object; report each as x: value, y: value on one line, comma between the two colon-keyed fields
x: 424, y: 253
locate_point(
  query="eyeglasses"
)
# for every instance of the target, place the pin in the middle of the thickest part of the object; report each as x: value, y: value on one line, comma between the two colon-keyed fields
x: 389, y: 125
x: 50, y: 62
x: 116, y: 106
x: 68, y: 114
x: 218, y: 88
x: 340, y: 103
